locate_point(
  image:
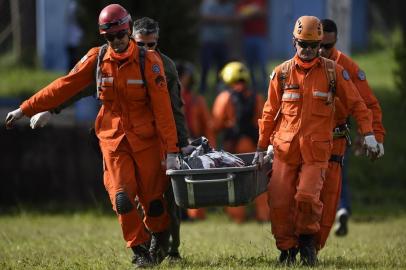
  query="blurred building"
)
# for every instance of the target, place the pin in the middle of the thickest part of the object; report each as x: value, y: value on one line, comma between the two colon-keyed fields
x: 351, y: 17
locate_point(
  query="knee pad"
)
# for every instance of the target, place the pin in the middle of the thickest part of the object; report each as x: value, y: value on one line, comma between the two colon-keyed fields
x: 123, y: 203
x: 156, y: 208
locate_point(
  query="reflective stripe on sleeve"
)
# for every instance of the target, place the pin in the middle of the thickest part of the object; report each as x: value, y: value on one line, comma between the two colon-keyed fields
x: 290, y: 96
x: 320, y: 94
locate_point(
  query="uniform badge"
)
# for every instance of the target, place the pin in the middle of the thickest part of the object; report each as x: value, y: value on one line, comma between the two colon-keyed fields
x: 272, y: 75
x: 156, y: 69
x: 361, y: 75
x: 346, y: 75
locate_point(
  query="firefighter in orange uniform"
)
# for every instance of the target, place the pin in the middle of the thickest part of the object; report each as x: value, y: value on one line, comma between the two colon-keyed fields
x: 330, y: 193
x: 132, y: 124
x: 236, y: 111
x: 297, y: 119
x: 198, y: 117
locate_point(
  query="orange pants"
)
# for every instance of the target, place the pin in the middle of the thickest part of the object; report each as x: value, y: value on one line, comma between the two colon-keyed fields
x: 238, y: 213
x: 330, y: 193
x: 137, y: 175
x: 294, y: 199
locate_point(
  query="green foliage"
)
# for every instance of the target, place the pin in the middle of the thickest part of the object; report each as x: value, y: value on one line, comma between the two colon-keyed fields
x: 23, y: 81
x: 87, y: 241
x: 400, y: 71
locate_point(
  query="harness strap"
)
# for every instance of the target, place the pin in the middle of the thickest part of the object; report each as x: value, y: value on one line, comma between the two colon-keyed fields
x: 100, y: 56
x: 102, y: 52
x: 329, y: 67
x: 338, y: 159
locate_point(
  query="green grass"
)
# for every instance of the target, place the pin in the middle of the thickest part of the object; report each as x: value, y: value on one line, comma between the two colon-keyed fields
x: 89, y: 241
x: 379, y: 67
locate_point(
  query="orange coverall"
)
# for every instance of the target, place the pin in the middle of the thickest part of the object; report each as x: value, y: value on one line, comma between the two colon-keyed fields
x: 133, y: 125
x: 300, y: 123
x: 224, y: 117
x: 199, y: 123
x: 330, y: 194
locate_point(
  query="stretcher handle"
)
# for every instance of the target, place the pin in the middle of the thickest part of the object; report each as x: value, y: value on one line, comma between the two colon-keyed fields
x: 188, y: 179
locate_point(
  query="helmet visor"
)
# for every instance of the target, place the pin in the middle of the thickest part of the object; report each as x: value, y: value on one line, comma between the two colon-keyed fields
x: 109, y: 25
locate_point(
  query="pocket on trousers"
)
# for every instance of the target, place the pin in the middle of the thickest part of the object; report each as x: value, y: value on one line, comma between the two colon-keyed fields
x: 321, y: 146
x: 145, y: 130
x: 282, y: 142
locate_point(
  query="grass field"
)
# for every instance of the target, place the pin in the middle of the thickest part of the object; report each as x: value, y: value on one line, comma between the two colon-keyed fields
x: 91, y: 241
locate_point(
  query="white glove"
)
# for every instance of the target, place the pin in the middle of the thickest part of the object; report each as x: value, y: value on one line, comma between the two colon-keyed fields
x: 40, y: 119
x: 371, y: 146
x: 258, y: 158
x: 381, y: 150
x: 12, y: 117
x: 188, y: 149
x: 172, y: 161
x: 269, y: 153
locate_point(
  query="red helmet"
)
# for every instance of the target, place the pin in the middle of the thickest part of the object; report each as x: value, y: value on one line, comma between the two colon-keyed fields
x: 114, y: 18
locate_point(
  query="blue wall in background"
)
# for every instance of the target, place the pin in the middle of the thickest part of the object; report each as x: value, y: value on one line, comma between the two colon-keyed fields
x: 283, y: 15
x: 360, y: 29
x: 51, y: 34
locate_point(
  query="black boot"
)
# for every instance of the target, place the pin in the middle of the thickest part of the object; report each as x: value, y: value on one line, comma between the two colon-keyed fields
x: 174, y: 256
x: 141, y: 258
x: 341, y: 227
x: 308, y: 253
x: 159, y: 246
x: 288, y: 257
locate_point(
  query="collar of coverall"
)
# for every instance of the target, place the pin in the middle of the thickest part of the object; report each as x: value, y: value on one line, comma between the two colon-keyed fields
x: 334, y: 54
x: 121, y: 56
x: 306, y: 65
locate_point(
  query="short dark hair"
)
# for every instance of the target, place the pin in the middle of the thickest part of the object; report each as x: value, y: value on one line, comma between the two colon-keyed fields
x: 329, y: 26
x: 146, y: 26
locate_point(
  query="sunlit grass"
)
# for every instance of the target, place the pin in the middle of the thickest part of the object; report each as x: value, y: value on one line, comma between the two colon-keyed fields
x: 87, y: 241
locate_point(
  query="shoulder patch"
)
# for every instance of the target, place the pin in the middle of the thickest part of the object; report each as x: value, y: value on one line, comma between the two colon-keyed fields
x: 156, y: 69
x: 361, y: 75
x: 272, y: 75
x: 346, y: 75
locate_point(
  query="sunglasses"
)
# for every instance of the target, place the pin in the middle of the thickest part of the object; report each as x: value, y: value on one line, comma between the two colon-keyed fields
x: 304, y: 44
x: 149, y: 44
x: 112, y: 36
x: 327, y: 46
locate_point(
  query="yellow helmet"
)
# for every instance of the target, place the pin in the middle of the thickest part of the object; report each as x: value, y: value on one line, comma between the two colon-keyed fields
x: 234, y: 72
x: 308, y: 28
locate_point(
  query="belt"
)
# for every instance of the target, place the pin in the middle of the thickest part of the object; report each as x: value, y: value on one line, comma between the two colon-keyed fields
x: 338, y: 159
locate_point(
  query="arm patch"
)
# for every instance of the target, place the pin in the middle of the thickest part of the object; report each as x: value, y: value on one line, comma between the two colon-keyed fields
x: 361, y: 75
x: 346, y: 76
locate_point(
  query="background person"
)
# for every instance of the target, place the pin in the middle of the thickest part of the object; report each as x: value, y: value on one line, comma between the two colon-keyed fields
x: 236, y: 111
x: 198, y: 117
x: 217, y: 20
x: 253, y: 14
